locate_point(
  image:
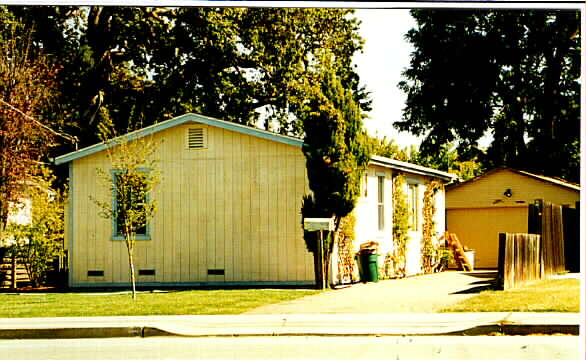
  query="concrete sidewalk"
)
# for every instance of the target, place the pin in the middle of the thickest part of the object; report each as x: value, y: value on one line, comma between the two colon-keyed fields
x: 291, y: 325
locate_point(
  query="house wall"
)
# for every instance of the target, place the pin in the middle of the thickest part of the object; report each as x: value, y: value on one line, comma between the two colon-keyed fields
x: 366, y: 213
x: 233, y: 206
x: 488, y: 192
x: 414, y: 245
x: 366, y: 210
x: 20, y: 213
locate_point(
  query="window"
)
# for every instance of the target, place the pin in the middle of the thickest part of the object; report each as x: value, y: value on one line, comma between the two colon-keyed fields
x: 381, y: 203
x: 130, y: 201
x: 412, y: 197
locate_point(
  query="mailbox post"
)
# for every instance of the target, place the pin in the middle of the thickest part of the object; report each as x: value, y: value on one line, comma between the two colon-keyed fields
x: 319, y: 224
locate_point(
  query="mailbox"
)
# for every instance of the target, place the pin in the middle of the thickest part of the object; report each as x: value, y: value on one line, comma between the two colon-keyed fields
x: 317, y: 224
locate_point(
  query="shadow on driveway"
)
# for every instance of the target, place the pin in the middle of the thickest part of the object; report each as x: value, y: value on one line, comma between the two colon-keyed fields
x: 417, y: 294
x: 489, y: 282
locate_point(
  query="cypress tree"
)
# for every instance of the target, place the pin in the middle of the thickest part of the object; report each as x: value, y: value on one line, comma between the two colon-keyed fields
x: 335, y: 150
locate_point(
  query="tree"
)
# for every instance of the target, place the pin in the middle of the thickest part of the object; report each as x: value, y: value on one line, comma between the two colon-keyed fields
x: 38, y: 243
x: 447, y: 159
x: 389, y: 149
x: 27, y: 85
x: 512, y: 74
x: 237, y: 64
x: 133, y: 177
x: 335, y: 150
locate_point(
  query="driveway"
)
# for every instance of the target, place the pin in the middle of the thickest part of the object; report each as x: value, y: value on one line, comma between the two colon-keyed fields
x: 418, y: 294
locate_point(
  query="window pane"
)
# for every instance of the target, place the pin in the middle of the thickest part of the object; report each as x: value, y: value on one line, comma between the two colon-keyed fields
x: 130, y: 202
x: 413, y: 211
x: 381, y: 203
x: 381, y: 217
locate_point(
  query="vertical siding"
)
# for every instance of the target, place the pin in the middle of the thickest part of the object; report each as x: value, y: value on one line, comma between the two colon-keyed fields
x: 247, y: 181
x: 229, y: 200
x: 238, y: 206
x: 233, y: 206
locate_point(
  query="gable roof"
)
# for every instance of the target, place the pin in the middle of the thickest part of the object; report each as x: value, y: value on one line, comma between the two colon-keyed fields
x: 179, y: 120
x: 412, y: 168
x: 546, y: 179
x: 247, y: 130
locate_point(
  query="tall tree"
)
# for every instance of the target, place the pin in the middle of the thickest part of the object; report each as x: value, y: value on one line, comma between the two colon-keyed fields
x: 335, y: 149
x: 512, y: 74
x: 237, y: 64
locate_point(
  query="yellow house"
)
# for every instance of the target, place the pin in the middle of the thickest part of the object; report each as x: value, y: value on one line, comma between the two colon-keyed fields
x: 498, y: 201
x: 229, y: 209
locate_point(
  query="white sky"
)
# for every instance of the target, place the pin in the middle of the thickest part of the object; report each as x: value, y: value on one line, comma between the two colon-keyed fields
x: 385, y: 56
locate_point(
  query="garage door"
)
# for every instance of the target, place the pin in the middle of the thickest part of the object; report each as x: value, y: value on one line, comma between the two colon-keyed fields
x: 478, y: 229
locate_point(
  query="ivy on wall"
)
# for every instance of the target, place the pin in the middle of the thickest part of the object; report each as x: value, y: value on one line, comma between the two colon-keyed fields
x: 430, y: 251
x: 347, y: 272
x: 400, y: 225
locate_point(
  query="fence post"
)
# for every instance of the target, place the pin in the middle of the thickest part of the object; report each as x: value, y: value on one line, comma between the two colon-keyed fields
x: 501, y: 260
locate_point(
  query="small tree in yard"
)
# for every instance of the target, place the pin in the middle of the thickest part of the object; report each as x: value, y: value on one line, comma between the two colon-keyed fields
x: 40, y: 241
x: 133, y: 177
x: 336, y: 153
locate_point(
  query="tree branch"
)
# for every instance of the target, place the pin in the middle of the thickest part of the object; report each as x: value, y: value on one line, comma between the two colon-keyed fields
x: 71, y: 138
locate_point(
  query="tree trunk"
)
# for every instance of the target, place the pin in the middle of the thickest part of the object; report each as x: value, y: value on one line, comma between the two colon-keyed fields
x: 329, y: 250
x: 13, y: 280
x: 317, y: 268
x: 132, y: 275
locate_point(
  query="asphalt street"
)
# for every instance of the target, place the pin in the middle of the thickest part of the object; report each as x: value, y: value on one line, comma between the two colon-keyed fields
x: 283, y: 348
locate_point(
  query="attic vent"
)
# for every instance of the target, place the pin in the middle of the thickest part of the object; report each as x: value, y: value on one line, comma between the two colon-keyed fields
x: 196, y: 138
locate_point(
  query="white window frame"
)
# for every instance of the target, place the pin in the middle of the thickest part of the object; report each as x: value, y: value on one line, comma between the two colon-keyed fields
x: 381, y: 201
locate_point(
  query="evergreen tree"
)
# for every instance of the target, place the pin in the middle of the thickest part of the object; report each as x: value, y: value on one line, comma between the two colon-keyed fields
x: 335, y: 149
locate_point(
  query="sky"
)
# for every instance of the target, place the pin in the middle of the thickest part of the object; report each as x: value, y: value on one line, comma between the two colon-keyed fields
x: 385, y: 56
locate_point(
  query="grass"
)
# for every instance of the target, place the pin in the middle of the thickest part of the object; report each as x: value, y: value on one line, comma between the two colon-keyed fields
x: 193, y: 302
x: 542, y: 296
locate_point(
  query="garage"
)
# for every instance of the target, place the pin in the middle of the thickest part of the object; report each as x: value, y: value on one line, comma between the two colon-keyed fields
x: 497, y: 201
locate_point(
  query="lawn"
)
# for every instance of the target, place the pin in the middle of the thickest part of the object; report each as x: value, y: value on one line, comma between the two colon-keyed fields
x: 542, y: 296
x: 192, y: 302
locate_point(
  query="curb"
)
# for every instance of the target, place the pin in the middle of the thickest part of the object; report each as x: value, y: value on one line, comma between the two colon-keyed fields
x: 149, y: 331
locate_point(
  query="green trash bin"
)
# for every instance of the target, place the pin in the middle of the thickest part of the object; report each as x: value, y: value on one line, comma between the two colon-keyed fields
x: 369, y: 264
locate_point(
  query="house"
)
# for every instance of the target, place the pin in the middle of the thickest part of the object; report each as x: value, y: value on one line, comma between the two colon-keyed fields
x: 498, y: 201
x: 228, y: 209
x: 21, y: 211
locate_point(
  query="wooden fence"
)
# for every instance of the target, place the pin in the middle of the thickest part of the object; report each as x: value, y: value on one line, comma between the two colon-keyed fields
x: 546, y: 219
x: 571, y: 220
x: 519, y: 259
